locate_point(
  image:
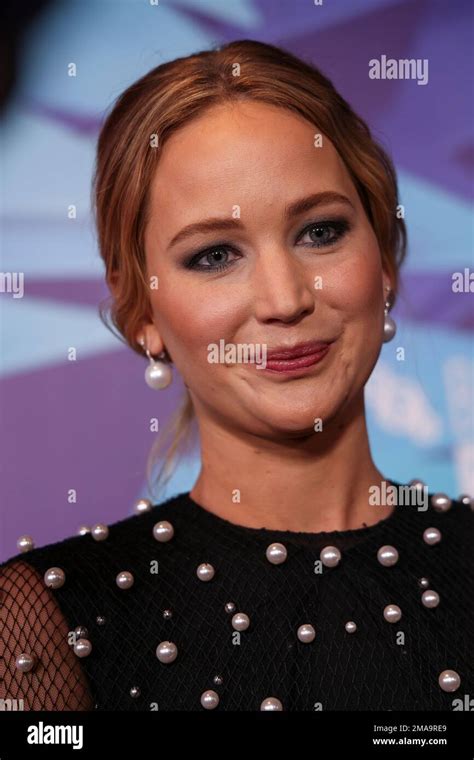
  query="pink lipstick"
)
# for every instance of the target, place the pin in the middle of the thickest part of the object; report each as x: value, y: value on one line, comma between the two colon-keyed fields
x: 296, y: 358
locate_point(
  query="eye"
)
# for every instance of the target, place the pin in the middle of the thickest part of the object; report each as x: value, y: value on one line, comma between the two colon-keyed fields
x: 217, y: 258
x: 324, y: 233
x: 212, y: 260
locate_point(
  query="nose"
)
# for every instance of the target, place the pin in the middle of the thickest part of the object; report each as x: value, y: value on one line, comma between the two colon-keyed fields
x: 283, y: 287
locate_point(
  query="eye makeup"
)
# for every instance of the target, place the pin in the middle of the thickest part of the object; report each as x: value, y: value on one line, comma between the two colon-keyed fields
x: 326, y: 233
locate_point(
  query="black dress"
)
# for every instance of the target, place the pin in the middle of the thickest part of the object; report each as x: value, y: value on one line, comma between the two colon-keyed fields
x: 376, y: 664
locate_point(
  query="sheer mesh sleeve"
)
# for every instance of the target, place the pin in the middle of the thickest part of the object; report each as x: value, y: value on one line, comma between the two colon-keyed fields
x: 31, y: 621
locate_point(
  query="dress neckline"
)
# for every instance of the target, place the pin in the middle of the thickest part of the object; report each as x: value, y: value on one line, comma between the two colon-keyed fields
x: 352, y: 535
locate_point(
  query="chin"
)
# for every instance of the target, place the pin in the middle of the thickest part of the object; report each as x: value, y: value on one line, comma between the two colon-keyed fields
x: 297, y: 423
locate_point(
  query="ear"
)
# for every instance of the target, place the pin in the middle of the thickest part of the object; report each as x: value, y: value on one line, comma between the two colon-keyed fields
x: 153, y: 342
x: 386, y: 284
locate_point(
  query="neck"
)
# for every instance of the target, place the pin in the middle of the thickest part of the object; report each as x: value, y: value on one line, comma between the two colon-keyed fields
x: 316, y: 483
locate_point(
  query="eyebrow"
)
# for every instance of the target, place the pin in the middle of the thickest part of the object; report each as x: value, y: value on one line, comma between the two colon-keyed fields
x: 293, y: 209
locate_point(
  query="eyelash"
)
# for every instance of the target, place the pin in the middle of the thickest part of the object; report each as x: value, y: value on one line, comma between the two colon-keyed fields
x: 341, y: 226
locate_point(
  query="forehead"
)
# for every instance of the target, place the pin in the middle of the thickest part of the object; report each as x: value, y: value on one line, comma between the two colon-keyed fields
x: 246, y: 153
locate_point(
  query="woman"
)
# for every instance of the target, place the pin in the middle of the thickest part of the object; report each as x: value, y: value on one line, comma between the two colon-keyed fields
x: 248, y: 224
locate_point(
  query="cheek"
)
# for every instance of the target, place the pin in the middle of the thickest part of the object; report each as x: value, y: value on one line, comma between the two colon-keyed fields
x: 357, y: 299
x: 357, y: 285
x: 190, y: 318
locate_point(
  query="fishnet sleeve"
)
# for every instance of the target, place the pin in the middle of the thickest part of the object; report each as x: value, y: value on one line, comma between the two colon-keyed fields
x: 31, y: 621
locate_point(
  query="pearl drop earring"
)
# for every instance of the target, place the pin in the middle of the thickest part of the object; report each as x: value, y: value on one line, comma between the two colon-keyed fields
x: 158, y: 374
x: 389, y: 325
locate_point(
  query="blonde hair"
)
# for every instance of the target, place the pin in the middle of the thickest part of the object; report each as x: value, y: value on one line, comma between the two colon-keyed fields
x: 170, y: 96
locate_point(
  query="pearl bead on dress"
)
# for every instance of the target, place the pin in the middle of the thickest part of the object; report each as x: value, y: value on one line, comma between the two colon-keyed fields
x: 271, y: 704
x: 210, y: 699
x: 55, y: 577
x: 431, y: 536
x: 163, y: 531
x: 449, y: 680
x: 240, y: 621
x: 124, y: 579
x: 82, y: 648
x: 135, y: 692
x: 430, y: 598
x: 306, y: 633
x: 276, y: 553
x: 99, y: 532
x: 387, y: 556
x: 141, y: 506
x: 330, y: 556
x: 26, y: 662
x: 417, y: 484
x: 440, y: 502
x: 166, y: 651
x: 25, y: 543
x: 205, y: 572
x: 392, y: 613
x: 350, y: 626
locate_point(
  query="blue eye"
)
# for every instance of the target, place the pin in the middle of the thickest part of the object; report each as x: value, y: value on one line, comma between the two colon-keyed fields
x: 321, y: 232
x: 214, y: 264
x: 216, y: 259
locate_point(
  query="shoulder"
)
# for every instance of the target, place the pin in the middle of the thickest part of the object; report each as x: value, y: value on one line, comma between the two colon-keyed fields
x: 437, y: 539
x: 81, y: 555
x: 453, y: 518
x: 455, y: 523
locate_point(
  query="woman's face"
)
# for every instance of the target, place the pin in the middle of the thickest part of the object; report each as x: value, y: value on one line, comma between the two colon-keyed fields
x: 262, y: 278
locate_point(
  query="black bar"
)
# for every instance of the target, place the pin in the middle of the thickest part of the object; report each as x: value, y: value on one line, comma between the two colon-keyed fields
x: 148, y: 734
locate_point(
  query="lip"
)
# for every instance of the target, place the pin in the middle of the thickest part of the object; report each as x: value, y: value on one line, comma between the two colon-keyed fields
x: 298, y: 358
x: 301, y: 349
